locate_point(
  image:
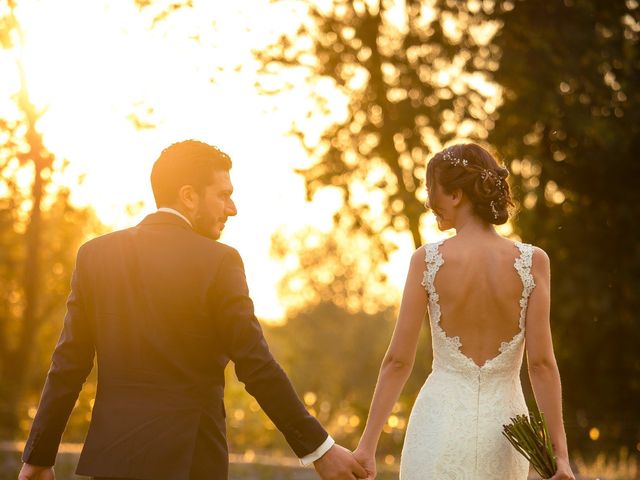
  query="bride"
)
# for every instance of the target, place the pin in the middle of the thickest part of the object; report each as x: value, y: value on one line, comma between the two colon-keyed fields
x: 488, y: 302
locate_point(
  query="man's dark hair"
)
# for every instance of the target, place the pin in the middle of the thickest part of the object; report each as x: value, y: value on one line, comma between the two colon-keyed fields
x: 185, y: 163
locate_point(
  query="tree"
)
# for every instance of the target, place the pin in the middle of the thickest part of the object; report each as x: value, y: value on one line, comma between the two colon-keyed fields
x: 331, y: 268
x: 39, y: 229
x: 408, y: 73
x: 551, y: 86
x: 333, y: 357
x: 570, y: 124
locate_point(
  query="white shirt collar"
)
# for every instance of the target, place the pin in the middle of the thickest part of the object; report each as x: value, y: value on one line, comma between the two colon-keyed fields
x: 175, y: 212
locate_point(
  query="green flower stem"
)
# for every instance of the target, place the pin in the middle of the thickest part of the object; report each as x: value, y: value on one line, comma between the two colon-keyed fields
x: 530, y: 437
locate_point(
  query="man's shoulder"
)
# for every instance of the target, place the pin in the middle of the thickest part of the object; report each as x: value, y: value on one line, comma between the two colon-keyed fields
x: 219, y: 249
x: 102, y: 240
x: 213, y: 252
x: 193, y: 242
x: 204, y: 245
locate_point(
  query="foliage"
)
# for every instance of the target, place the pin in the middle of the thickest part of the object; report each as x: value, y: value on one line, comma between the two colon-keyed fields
x: 570, y: 125
x: 40, y: 231
x: 329, y: 268
x: 409, y: 76
x: 617, y: 467
x: 333, y: 357
x: 552, y: 86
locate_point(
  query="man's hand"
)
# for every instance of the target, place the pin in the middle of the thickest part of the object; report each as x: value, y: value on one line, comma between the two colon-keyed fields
x: 338, y: 464
x: 33, y: 472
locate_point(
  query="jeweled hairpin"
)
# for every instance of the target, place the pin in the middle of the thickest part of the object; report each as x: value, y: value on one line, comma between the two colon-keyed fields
x: 494, y: 210
x: 455, y: 161
x: 485, y: 173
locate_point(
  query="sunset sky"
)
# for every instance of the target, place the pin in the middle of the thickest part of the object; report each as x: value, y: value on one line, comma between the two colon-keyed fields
x: 104, y: 75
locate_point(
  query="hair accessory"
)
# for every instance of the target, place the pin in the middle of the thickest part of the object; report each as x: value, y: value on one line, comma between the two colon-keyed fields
x: 486, y: 173
x: 454, y: 161
x: 494, y: 210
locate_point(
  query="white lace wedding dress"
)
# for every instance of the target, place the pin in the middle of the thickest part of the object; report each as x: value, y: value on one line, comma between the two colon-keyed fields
x: 455, y: 427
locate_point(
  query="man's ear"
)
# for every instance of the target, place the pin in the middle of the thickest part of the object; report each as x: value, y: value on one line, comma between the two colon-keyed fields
x: 188, y: 197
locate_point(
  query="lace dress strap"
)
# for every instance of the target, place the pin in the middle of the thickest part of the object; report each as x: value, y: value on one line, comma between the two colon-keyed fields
x: 433, y: 259
x: 523, y: 267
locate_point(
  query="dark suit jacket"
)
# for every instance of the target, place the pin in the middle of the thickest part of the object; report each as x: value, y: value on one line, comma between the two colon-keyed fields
x: 164, y: 309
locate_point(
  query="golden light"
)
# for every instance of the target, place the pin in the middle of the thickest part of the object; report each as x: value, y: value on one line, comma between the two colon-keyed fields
x: 310, y: 398
x: 105, y: 80
x: 343, y: 420
x: 238, y: 414
x: 354, y: 421
x: 254, y: 406
x: 393, y: 421
x: 249, y: 456
x: 594, y: 434
x: 116, y: 92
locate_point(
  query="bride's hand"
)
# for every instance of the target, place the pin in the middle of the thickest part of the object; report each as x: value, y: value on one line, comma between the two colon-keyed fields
x: 563, y: 472
x: 33, y: 472
x: 367, y: 460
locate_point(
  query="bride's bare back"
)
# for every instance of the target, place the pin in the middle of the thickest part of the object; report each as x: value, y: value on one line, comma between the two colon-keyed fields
x: 488, y: 301
x: 479, y: 294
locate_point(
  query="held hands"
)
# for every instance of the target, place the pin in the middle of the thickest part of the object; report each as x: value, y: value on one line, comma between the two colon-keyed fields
x: 33, y: 472
x: 339, y: 464
x: 367, y: 460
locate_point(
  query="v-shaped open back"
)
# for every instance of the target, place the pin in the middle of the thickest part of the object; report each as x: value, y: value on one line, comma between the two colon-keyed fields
x: 434, y: 260
x: 455, y: 427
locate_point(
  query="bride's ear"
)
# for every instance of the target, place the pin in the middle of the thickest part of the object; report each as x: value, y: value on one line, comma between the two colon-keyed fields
x: 456, y: 196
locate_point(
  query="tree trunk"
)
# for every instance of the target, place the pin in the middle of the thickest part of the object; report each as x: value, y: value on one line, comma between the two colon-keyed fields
x: 20, y: 359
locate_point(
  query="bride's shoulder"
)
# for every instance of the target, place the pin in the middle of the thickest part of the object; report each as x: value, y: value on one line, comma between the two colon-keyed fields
x: 419, y: 255
x: 539, y: 258
x: 540, y: 262
x: 423, y: 252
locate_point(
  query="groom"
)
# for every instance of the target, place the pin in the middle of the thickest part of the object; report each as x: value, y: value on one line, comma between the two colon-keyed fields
x: 165, y: 307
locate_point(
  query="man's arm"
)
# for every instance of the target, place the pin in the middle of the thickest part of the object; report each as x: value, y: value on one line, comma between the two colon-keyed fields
x: 241, y: 333
x: 266, y: 381
x: 71, y: 363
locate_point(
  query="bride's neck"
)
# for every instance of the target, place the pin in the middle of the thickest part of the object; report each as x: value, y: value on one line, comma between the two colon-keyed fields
x: 471, y: 225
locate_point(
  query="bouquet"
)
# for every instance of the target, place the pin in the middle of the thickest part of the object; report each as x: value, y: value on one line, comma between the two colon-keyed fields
x: 530, y: 437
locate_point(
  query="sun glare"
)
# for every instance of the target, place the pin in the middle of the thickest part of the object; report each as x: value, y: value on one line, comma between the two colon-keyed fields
x: 116, y: 91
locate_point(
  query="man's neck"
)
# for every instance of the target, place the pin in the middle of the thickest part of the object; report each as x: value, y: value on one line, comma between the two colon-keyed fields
x: 176, y: 212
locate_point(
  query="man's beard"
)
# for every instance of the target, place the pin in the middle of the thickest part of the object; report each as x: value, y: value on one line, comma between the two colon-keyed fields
x: 205, y: 224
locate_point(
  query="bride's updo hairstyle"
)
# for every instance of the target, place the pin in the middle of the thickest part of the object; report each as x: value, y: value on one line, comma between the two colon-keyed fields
x: 472, y: 169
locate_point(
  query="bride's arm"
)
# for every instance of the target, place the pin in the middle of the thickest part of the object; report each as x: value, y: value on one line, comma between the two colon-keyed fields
x: 399, y: 359
x: 543, y: 369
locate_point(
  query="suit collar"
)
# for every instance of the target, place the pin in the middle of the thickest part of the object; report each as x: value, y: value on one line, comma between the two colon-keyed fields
x: 165, y: 218
x: 175, y: 212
